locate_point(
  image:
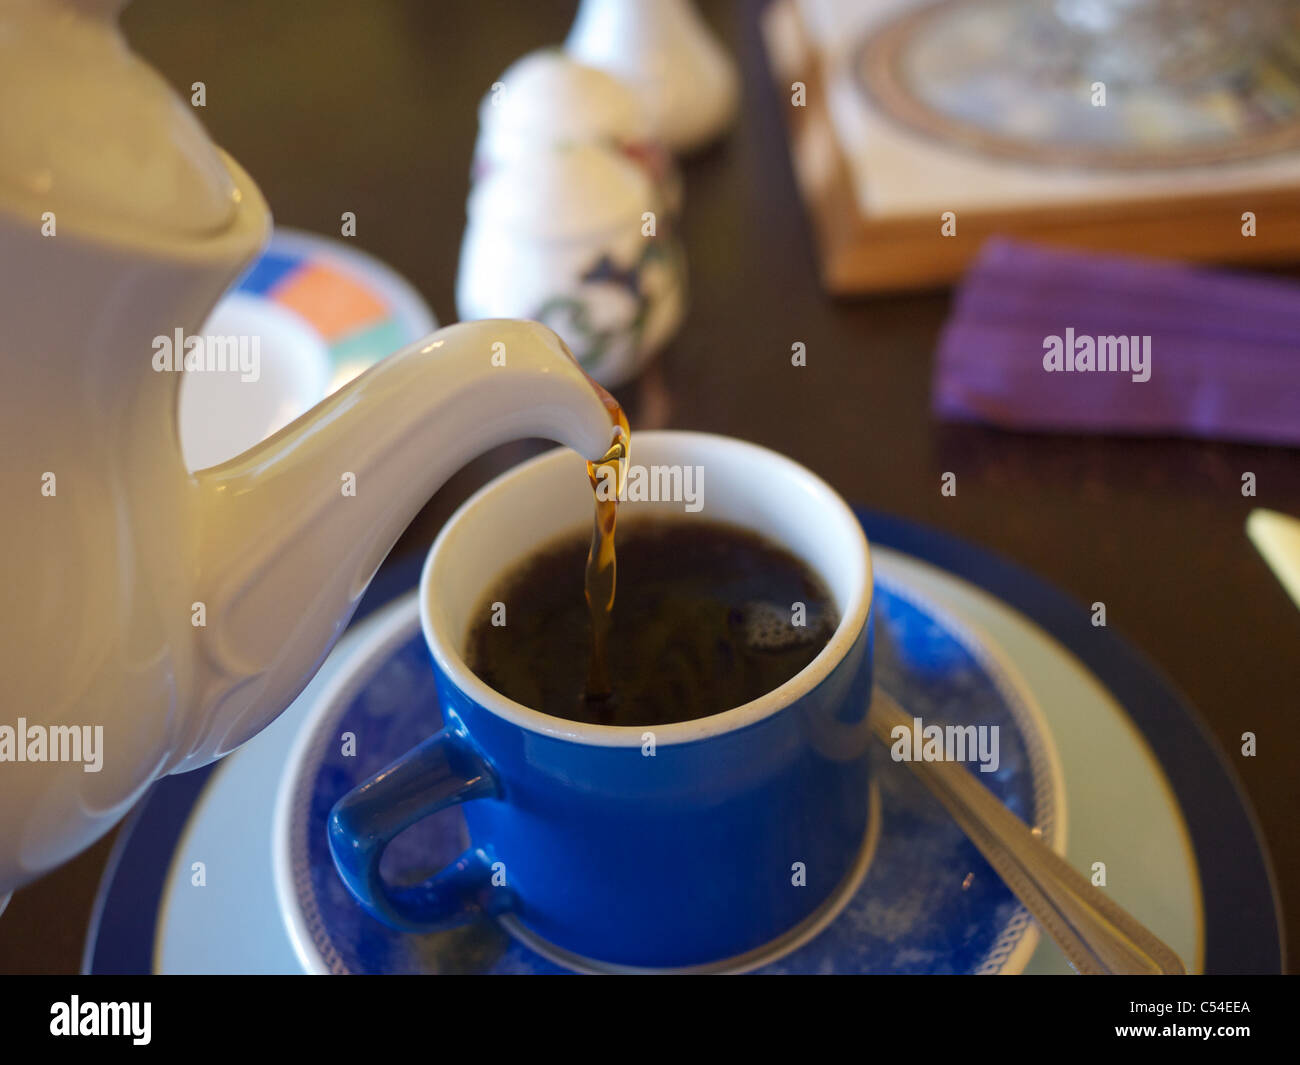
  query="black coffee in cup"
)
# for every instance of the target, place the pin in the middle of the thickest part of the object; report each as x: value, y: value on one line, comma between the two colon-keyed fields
x: 707, y: 617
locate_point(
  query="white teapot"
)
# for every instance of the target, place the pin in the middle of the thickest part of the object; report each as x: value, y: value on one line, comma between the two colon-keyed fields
x: 151, y: 620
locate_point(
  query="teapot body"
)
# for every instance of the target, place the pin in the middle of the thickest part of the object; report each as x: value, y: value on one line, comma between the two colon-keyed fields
x: 98, y: 648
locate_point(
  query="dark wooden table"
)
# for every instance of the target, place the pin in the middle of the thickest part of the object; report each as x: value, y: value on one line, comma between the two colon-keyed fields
x: 337, y: 106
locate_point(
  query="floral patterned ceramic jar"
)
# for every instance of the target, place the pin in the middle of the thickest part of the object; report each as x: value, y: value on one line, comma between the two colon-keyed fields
x: 573, y: 237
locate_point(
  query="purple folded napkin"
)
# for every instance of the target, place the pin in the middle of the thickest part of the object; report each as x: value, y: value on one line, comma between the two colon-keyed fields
x: 1050, y: 340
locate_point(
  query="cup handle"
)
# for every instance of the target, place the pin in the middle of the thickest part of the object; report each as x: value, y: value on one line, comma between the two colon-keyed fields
x: 443, y: 770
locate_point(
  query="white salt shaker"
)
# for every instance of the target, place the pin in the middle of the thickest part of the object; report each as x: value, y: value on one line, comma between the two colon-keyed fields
x: 665, y: 51
x: 571, y: 236
x: 548, y: 98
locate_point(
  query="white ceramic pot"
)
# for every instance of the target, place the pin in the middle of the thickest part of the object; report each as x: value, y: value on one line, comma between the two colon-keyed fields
x: 576, y: 238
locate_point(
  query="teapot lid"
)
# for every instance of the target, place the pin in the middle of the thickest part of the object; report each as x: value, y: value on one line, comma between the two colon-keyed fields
x: 550, y: 90
x: 90, y: 129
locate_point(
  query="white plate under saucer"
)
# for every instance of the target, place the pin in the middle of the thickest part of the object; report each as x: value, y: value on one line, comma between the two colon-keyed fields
x: 1137, y: 827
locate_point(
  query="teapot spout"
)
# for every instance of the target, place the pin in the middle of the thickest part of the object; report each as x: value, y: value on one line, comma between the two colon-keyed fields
x: 291, y: 532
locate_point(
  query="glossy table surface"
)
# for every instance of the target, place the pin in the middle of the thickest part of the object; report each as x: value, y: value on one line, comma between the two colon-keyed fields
x: 335, y: 106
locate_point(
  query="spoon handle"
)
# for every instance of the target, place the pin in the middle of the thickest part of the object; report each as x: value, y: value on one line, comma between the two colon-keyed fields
x: 1096, y: 935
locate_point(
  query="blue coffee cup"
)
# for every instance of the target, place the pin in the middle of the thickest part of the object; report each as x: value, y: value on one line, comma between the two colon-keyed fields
x: 692, y: 844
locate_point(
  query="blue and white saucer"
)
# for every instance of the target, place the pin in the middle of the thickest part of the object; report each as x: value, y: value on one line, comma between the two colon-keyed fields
x: 1147, y: 793
x: 925, y: 902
